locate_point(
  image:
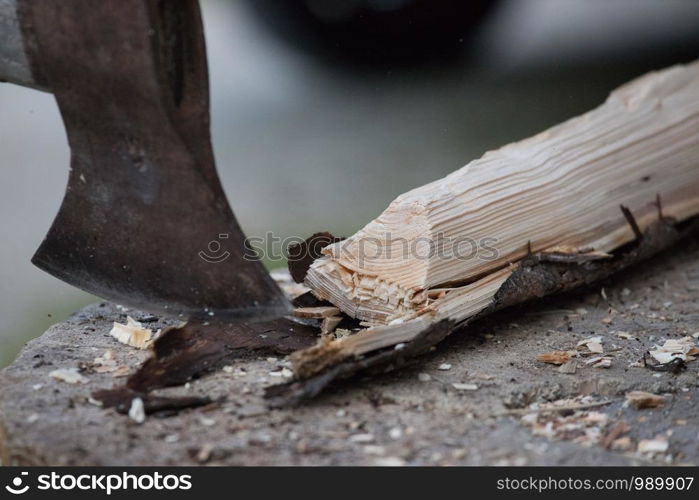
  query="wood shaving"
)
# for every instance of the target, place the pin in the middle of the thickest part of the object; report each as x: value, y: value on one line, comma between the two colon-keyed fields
x: 554, y: 357
x: 464, y: 387
x: 599, y: 362
x: 594, y: 344
x: 132, y: 333
x: 68, y: 375
x: 684, y: 348
x: 283, y: 373
x: 316, y: 312
x: 641, y: 400
x: 290, y: 288
x: 651, y: 446
x: 361, y: 438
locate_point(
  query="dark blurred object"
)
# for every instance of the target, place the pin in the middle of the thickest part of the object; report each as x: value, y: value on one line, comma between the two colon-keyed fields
x: 376, y: 32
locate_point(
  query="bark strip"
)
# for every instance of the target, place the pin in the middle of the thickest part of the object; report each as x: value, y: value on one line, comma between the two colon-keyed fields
x: 183, y: 353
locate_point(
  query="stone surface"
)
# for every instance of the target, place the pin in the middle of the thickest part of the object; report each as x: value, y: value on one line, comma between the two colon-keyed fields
x: 401, y: 417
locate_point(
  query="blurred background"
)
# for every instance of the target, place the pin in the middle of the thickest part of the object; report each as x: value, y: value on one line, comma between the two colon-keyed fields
x: 324, y: 110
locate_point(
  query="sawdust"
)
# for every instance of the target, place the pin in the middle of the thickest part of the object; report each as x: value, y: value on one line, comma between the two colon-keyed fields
x: 105, y: 363
x: 585, y: 427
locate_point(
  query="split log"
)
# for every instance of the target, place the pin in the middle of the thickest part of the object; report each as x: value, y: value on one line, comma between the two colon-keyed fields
x: 392, y: 346
x: 559, y: 191
x: 561, y: 209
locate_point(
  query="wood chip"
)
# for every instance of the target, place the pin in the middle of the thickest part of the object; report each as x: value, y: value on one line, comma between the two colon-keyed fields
x: 464, y: 387
x: 569, y: 368
x: 599, y: 362
x: 554, y: 357
x: 329, y: 324
x: 621, y: 444
x: 204, y: 453
x: 362, y: 438
x: 132, y: 333
x: 68, y: 375
x: 684, y: 348
x: 105, y: 363
x: 122, y: 371
x: 540, y: 184
x: 316, y: 312
x: 594, y: 344
x: 641, y: 400
x: 290, y: 288
x: 652, y: 446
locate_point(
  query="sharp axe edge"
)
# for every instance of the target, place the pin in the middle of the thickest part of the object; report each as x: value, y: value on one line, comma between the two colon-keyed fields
x: 144, y: 221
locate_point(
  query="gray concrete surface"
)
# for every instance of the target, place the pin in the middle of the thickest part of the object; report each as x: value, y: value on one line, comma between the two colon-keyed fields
x: 401, y: 417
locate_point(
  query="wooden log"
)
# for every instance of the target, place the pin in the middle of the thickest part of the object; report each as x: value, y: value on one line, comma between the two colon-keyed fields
x: 446, y: 247
x: 561, y: 209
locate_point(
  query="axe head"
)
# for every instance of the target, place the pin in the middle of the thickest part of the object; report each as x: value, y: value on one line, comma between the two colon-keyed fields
x: 144, y: 221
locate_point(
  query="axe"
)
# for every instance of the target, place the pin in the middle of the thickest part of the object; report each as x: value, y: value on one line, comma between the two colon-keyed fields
x: 144, y: 221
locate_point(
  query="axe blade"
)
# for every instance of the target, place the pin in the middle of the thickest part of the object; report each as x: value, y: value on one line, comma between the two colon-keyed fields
x: 144, y: 221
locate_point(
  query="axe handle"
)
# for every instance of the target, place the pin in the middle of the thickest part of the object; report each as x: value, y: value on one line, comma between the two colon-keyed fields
x: 14, y: 65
